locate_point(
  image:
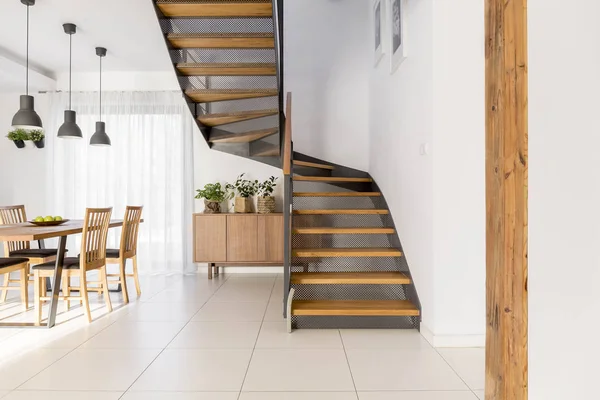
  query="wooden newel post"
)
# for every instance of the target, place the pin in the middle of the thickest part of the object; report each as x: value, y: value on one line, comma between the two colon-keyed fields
x: 506, y: 198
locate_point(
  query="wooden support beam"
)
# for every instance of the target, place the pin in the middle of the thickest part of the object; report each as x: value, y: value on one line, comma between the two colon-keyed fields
x: 506, y: 193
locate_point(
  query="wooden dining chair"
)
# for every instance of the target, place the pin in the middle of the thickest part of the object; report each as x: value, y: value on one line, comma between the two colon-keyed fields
x: 92, y: 257
x: 21, y: 249
x: 127, y: 250
x: 8, y: 265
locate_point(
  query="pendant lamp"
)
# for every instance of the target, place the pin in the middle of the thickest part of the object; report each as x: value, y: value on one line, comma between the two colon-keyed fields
x: 100, y: 138
x: 26, y: 117
x: 69, y: 129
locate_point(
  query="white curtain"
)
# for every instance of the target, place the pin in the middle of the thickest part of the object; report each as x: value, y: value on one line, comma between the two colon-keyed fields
x: 150, y: 163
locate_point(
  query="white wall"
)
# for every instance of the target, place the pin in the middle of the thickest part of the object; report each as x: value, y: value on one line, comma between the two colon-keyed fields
x: 564, y: 198
x: 325, y: 69
x: 435, y: 101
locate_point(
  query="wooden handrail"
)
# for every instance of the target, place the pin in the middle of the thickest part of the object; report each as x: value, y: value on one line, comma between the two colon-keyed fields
x: 287, y: 144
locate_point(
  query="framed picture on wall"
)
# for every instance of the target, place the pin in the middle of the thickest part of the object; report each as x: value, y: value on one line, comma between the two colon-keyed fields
x: 378, y: 29
x: 397, y: 18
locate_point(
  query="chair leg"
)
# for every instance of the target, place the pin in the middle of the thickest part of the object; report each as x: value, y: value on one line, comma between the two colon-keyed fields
x: 5, y: 290
x: 135, y: 276
x: 66, y: 288
x: 24, y: 294
x: 37, y: 303
x: 83, y: 291
x: 105, y: 286
x: 123, y: 281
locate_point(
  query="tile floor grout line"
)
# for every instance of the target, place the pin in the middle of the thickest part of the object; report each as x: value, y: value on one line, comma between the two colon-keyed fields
x: 66, y: 354
x: 171, y: 341
x: 257, y: 337
x: 348, y: 362
x: 457, y: 374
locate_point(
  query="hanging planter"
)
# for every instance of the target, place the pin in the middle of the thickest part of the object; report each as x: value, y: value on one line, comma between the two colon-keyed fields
x: 37, y: 137
x: 18, y: 136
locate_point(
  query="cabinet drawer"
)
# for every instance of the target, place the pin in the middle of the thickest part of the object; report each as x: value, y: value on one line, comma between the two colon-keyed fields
x: 210, y: 238
x: 241, y: 238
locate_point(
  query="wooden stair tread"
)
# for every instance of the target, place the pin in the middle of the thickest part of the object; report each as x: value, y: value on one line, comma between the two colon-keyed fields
x: 227, y: 69
x: 267, y: 152
x: 339, y: 231
x: 350, y: 278
x: 214, y: 95
x: 312, y: 165
x: 214, y: 9
x: 245, y: 137
x: 331, y: 179
x: 222, y: 40
x: 355, y: 307
x: 337, y: 194
x: 346, y: 252
x: 342, y: 212
x: 228, y: 118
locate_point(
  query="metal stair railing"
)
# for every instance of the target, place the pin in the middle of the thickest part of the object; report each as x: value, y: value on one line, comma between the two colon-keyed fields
x: 288, y: 193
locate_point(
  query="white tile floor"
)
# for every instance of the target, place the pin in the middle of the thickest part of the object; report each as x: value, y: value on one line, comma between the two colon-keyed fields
x: 190, y: 338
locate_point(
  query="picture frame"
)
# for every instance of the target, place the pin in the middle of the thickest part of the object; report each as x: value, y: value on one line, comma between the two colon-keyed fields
x: 397, y: 33
x: 378, y: 31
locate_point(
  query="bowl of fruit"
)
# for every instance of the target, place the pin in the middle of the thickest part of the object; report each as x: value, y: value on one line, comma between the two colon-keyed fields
x: 48, y: 221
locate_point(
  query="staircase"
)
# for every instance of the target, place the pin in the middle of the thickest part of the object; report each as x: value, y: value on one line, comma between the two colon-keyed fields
x: 347, y: 267
x: 227, y: 57
x: 344, y: 266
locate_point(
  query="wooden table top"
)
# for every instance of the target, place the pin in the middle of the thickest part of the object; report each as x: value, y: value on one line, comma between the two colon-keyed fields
x: 28, y: 232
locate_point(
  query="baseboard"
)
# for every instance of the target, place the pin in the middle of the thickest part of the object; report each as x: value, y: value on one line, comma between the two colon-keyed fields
x: 452, y: 340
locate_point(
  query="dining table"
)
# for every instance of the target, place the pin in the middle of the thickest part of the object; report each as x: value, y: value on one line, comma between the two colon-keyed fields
x: 29, y: 232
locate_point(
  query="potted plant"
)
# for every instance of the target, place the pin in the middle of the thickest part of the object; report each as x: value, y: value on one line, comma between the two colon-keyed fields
x: 37, y: 137
x: 266, y: 202
x: 18, y: 136
x: 213, y: 195
x: 245, y: 189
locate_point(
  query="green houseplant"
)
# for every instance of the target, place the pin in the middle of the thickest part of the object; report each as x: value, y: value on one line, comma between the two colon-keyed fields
x: 213, y: 194
x: 18, y: 136
x: 245, y: 189
x: 266, y: 201
x: 37, y: 137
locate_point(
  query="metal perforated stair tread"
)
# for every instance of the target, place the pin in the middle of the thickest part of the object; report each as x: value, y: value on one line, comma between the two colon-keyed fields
x: 228, y: 118
x: 349, y: 278
x: 215, y: 95
x: 227, y: 69
x: 334, y: 231
x: 347, y: 252
x: 337, y: 194
x: 313, y: 165
x: 259, y: 40
x: 245, y: 137
x: 331, y: 179
x: 354, y: 307
x: 345, y: 211
x: 215, y: 9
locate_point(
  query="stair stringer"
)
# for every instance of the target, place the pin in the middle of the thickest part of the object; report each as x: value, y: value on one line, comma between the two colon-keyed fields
x: 349, y: 292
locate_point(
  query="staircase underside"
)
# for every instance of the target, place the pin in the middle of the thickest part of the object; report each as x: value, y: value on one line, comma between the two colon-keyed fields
x: 223, y: 52
x: 348, y: 269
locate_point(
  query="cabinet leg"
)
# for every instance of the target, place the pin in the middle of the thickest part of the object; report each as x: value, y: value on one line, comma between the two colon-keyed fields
x: 210, y: 270
x: 216, y: 270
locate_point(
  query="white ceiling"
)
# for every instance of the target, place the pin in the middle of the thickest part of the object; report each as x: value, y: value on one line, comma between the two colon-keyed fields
x: 127, y: 28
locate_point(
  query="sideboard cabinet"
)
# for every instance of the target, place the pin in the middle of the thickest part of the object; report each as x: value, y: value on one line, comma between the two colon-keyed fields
x: 238, y: 239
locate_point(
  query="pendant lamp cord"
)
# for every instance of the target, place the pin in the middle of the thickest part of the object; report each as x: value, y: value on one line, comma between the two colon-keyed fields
x: 27, y: 57
x: 100, y: 90
x: 70, y: 62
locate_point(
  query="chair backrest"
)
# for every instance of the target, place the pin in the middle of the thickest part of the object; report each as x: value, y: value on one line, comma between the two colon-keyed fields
x: 13, y: 215
x: 129, y: 235
x: 94, y: 236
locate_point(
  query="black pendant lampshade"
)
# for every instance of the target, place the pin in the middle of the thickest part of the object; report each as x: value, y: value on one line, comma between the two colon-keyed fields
x: 69, y: 129
x: 100, y: 138
x: 26, y: 117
